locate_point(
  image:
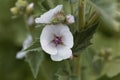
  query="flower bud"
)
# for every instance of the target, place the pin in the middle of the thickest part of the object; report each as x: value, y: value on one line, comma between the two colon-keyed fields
x: 14, y: 10
x: 59, y: 17
x: 70, y: 19
x: 106, y: 53
x: 21, y: 3
x: 30, y: 20
x: 29, y: 8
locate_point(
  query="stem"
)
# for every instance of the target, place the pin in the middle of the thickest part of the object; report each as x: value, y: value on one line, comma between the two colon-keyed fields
x: 76, y: 67
x: 71, y: 7
x: 82, y: 67
x: 67, y: 63
x: 81, y: 13
x: 28, y: 27
x: 26, y: 24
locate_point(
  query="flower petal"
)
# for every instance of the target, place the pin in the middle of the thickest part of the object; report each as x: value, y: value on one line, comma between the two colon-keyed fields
x: 67, y: 38
x: 47, y: 35
x: 58, y: 29
x: 20, y: 54
x: 50, y: 49
x: 48, y: 16
x: 27, y: 42
x: 62, y: 54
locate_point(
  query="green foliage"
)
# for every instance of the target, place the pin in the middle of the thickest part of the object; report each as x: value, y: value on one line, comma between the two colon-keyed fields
x: 107, y: 10
x: 12, y: 34
x: 34, y: 59
x: 65, y: 72
x: 82, y: 38
x: 35, y: 46
x: 100, y: 42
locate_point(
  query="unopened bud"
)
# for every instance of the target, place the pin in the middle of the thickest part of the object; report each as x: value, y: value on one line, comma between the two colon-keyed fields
x: 106, y: 53
x: 29, y: 8
x: 30, y: 20
x: 70, y: 19
x: 60, y: 18
x: 21, y: 3
x: 14, y: 10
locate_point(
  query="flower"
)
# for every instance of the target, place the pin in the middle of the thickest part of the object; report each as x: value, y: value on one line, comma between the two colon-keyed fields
x: 57, y: 40
x: 27, y: 42
x: 49, y: 16
x: 70, y: 19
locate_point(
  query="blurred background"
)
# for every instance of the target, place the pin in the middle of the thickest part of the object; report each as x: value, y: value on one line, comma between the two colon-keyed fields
x: 12, y: 34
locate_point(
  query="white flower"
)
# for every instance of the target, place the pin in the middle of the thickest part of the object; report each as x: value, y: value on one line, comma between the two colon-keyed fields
x: 48, y: 16
x: 70, y: 19
x: 27, y: 42
x: 57, y: 40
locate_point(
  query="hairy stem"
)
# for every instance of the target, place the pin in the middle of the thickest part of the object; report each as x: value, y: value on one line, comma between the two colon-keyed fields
x: 81, y: 13
x: 28, y: 27
x: 76, y: 67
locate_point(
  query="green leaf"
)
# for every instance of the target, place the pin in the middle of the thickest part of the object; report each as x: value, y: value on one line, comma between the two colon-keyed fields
x: 107, y: 10
x: 34, y: 59
x: 35, y: 46
x: 111, y: 68
x: 82, y: 38
x: 116, y: 77
x: 63, y: 75
x: 95, y: 65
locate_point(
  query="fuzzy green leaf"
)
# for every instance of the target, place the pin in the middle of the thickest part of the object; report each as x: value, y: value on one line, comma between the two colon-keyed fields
x: 35, y: 46
x: 111, y: 68
x: 106, y: 10
x: 62, y: 74
x: 34, y: 60
x: 87, y: 66
x: 82, y: 38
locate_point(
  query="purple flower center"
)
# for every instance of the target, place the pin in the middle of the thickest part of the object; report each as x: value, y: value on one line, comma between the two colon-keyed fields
x: 57, y: 40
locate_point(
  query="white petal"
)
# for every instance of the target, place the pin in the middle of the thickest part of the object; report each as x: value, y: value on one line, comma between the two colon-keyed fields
x: 27, y: 42
x: 48, y: 16
x: 47, y: 35
x: 20, y: 54
x: 67, y: 38
x: 58, y: 29
x: 62, y: 54
x: 50, y: 49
